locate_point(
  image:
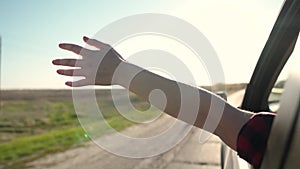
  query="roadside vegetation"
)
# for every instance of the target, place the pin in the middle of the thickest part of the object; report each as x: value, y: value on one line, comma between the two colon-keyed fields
x: 36, y: 123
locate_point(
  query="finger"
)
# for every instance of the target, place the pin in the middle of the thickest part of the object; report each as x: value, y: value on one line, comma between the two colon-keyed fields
x: 70, y: 72
x: 94, y: 42
x: 67, y: 62
x: 79, y: 83
x: 74, y: 48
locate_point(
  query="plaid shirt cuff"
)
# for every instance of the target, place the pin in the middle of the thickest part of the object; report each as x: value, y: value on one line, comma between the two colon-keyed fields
x: 253, y: 138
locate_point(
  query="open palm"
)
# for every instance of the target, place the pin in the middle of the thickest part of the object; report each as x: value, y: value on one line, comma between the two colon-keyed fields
x: 96, y: 66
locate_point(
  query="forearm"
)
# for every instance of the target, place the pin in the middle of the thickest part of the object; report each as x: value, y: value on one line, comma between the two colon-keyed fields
x: 142, y: 82
x: 165, y: 94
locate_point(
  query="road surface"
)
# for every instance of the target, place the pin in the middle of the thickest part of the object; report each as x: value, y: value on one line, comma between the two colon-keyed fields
x: 188, y: 154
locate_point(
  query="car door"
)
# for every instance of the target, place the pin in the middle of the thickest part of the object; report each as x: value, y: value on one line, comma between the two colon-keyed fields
x: 278, y: 48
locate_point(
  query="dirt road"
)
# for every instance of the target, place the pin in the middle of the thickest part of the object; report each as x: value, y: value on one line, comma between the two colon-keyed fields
x: 188, y: 154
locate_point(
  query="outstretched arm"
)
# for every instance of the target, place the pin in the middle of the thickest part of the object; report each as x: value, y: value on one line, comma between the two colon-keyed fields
x: 111, y: 69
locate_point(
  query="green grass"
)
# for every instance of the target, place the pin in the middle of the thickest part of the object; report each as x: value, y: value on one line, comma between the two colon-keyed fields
x: 34, y: 127
x: 15, y: 153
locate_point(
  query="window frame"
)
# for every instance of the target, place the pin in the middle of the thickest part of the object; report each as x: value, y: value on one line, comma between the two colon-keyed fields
x: 275, y: 54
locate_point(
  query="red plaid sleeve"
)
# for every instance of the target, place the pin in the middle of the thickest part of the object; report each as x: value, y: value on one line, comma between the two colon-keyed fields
x: 253, y: 137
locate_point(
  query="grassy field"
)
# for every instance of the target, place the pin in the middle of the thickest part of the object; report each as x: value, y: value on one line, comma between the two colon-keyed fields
x: 34, y: 123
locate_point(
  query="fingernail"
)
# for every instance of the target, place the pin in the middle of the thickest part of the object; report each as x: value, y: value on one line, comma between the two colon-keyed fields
x: 85, y: 38
x: 68, y: 83
x: 61, y: 45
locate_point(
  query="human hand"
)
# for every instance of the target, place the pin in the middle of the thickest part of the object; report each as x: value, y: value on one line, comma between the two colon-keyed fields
x: 96, y: 66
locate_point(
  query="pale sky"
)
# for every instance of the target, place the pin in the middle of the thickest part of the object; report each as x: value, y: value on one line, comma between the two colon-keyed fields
x: 31, y: 31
